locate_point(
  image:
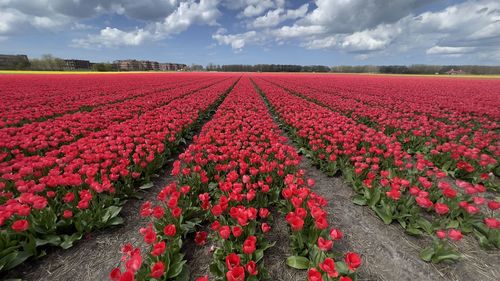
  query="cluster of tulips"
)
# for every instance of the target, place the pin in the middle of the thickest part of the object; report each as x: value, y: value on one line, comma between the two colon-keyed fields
x: 40, y: 137
x: 55, y: 197
x: 464, y: 143
x: 397, y: 185
x: 227, y: 183
x: 31, y: 98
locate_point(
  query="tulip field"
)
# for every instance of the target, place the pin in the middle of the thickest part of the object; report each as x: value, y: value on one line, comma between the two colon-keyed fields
x: 236, y: 177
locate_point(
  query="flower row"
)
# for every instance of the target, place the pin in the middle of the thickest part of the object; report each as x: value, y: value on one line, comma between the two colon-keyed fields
x: 236, y: 171
x: 28, y: 98
x: 40, y: 137
x: 396, y: 185
x: 54, y: 199
x: 464, y: 145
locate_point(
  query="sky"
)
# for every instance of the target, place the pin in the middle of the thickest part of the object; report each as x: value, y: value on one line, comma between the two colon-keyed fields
x: 326, y: 32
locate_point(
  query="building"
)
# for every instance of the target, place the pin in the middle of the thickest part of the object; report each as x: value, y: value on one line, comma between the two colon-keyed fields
x: 129, y: 65
x: 76, y: 64
x: 155, y: 65
x: 146, y: 65
x: 172, y: 66
x: 455, y: 72
x: 14, y: 62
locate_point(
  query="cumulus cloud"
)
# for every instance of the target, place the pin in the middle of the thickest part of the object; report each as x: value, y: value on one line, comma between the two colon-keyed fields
x: 186, y: 14
x: 438, y: 50
x: 347, y: 16
x: 252, y: 8
x: 162, y: 17
x: 274, y: 17
x: 365, y: 28
x: 236, y: 41
x: 369, y: 26
x: 113, y: 37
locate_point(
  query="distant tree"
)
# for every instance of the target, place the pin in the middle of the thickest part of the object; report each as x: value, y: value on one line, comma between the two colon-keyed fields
x: 47, y: 62
x: 103, y: 67
x: 196, y: 67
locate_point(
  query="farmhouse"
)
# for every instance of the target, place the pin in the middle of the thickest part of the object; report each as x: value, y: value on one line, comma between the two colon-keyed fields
x: 72, y: 64
x: 14, y: 61
x: 455, y: 72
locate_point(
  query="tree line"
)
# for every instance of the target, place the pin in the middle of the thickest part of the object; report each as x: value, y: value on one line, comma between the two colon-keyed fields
x: 50, y: 62
x: 386, y: 69
x: 416, y: 69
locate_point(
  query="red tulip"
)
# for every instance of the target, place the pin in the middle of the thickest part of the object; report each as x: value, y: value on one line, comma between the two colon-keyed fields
x: 170, y: 230
x: 314, y: 275
x: 200, y: 237
x: 232, y: 261
x: 20, y: 225
x: 251, y: 268
x: 352, y: 260
x: 328, y: 266
x: 455, y: 234
x: 249, y: 245
x: 236, y: 274
x: 157, y: 270
x: 324, y: 244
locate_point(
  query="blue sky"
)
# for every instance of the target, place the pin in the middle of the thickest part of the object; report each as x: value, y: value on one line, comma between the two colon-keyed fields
x: 327, y: 32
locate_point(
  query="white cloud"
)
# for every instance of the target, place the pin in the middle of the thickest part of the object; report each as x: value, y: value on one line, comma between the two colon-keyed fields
x: 252, y: 8
x: 236, y: 41
x: 439, y: 50
x: 187, y: 14
x: 372, y: 39
x: 274, y: 17
x: 470, y: 28
x: 321, y: 43
x: 113, y: 37
x: 366, y: 28
x: 9, y: 19
x: 347, y: 16
x: 295, y: 31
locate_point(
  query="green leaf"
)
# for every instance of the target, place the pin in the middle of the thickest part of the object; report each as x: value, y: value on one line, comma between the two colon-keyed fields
x: 20, y: 258
x: 51, y: 239
x: 413, y: 231
x: 297, y: 262
x: 214, y: 269
x: 184, y: 275
x: 359, y: 200
x: 6, y: 260
x: 342, y: 267
x: 453, y: 224
x: 425, y: 225
x: 448, y: 256
x: 115, y: 221
x: 427, y: 254
x: 146, y: 186
x: 483, y: 240
x: 110, y: 213
x: 258, y: 255
x: 381, y: 212
x: 68, y: 240
x: 374, y: 197
x: 176, y: 267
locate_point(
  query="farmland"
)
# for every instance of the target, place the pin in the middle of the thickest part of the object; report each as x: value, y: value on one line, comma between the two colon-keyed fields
x: 222, y: 176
